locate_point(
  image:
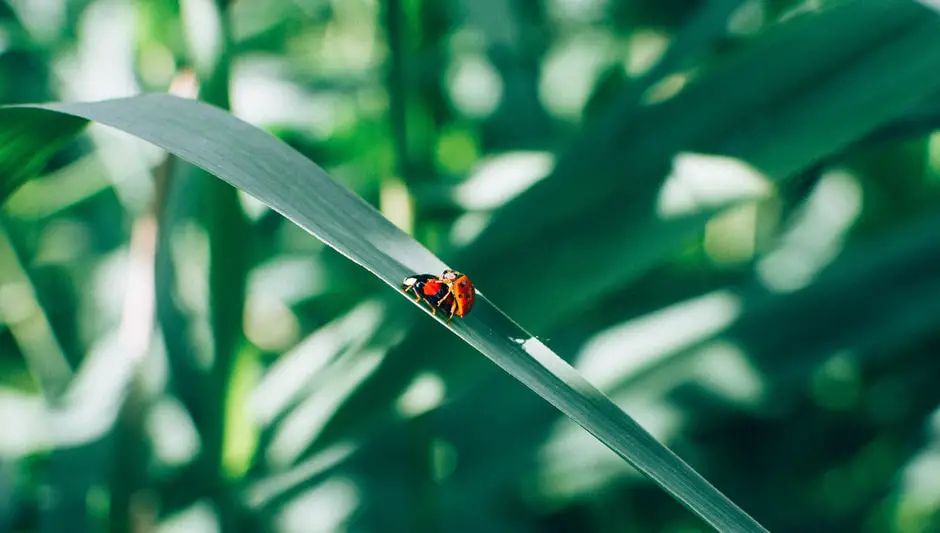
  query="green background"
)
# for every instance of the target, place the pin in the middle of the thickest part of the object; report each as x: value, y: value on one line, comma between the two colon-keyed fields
x: 723, y: 213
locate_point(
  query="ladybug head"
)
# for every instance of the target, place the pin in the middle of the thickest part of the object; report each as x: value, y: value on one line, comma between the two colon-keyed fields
x: 416, y: 281
x: 451, y: 275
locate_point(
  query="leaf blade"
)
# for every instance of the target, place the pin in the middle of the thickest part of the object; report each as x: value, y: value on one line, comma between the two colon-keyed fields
x: 268, y: 169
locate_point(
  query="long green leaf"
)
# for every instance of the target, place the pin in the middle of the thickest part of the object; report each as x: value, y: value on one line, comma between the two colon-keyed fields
x: 268, y: 169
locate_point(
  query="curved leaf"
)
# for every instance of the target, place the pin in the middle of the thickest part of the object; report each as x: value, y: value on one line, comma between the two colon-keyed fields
x: 269, y: 170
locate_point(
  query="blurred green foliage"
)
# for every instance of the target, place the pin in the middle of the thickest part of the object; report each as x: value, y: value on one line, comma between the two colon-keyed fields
x: 724, y: 212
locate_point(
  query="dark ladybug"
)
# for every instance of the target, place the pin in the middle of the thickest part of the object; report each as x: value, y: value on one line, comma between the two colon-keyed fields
x: 429, y: 288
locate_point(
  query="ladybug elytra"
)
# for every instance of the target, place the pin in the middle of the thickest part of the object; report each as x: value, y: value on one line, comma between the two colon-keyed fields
x: 462, y: 290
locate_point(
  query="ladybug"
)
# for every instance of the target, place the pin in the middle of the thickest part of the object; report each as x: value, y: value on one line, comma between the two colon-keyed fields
x: 429, y: 288
x: 452, y: 292
x: 462, y: 291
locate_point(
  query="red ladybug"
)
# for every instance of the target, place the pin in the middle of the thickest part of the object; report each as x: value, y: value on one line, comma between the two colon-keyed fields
x: 462, y: 291
x: 452, y: 292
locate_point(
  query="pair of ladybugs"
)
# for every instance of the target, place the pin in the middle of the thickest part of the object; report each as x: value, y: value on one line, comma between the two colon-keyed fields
x: 451, y: 292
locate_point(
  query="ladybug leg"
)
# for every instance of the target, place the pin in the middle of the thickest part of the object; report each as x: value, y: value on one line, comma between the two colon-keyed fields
x: 453, y: 309
x: 419, y: 298
x: 453, y: 303
x: 431, y: 305
x: 425, y: 300
x: 412, y: 289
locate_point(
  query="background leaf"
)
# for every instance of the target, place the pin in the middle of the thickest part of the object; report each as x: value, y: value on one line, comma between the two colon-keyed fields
x: 721, y: 213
